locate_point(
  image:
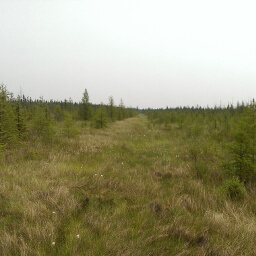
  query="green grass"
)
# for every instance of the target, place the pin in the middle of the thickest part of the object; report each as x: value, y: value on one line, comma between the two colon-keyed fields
x: 129, y: 189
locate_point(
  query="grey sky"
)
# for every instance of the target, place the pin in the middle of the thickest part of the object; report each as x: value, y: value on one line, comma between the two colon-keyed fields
x: 151, y: 53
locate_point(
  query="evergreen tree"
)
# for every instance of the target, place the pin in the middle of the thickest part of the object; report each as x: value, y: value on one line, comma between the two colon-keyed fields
x: 121, y: 110
x: 8, y: 127
x: 43, y: 123
x: 251, y: 125
x: 242, y: 150
x: 58, y: 113
x: 21, y: 120
x: 85, y: 107
x: 100, y: 119
x: 69, y: 130
x: 111, y: 109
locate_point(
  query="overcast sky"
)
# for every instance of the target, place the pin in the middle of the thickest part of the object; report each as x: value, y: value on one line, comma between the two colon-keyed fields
x: 150, y: 53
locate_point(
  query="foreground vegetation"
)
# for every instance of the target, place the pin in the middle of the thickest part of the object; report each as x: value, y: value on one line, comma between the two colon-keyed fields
x: 177, y: 182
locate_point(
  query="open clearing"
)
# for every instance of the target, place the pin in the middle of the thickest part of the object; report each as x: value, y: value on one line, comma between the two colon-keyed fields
x: 128, y: 189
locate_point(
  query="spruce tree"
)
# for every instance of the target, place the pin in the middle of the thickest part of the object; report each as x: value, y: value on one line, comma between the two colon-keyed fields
x: 43, y: 123
x: 69, y: 130
x: 121, y: 110
x: 85, y: 107
x: 21, y: 120
x: 100, y: 119
x: 111, y: 109
x: 58, y: 113
x: 8, y: 127
x: 242, y: 150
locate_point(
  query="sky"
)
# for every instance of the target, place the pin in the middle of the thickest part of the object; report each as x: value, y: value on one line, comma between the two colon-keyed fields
x: 150, y: 53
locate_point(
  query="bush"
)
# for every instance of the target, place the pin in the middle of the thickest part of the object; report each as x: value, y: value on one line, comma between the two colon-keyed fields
x: 241, y: 164
x: 70, y: 130
x: 42, y: 123
x: 234, y: 189
x: 8, y: 123
x: 100, y: 120
x: 1, y: 150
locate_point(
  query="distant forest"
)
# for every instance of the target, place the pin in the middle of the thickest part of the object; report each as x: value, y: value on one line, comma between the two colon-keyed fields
x: 22, y: 118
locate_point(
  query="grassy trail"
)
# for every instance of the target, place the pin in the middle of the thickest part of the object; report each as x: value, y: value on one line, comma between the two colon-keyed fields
x: 124, y: 190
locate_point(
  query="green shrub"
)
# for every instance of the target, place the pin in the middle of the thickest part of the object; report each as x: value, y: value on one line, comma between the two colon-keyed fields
x: 241, y: 164
x: 1, y: 150
x: 100, y: 120
x: 234, y: 189
x: 8, y: 123
x: 42, y: 123
x: 70, y: 130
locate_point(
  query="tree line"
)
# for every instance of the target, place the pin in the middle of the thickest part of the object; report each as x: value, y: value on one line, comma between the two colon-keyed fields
x: 219, y: 141
x: 22, y: 118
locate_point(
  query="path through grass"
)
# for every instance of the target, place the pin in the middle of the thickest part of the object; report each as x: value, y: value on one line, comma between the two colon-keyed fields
x: 124, y: 190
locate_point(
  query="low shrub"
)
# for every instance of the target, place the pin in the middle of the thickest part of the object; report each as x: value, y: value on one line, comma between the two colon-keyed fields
x: 234, y: 189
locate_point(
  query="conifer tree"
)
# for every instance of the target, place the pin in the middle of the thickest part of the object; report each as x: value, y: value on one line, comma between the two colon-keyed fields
x: 58, y: 113
x: 121, y: 110
x: 21, y: 120
x: 85, y: 107
x: 8, y: 127
x: 100, y: 118
x: 69, y: 130
x: 111, y: 109
x: 252, y: 127
x: 243, y: 149
x: 42, y: 122
x: 240, y: 150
